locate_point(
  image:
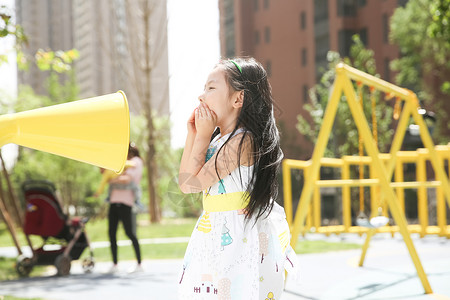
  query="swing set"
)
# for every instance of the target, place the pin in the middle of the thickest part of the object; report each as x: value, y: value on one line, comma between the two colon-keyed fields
x: 382, y: 166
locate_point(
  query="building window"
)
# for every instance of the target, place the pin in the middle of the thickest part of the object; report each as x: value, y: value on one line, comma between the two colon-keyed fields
x: 269, y: 68
x: 304, y: 57
x: 386, y: 28
x: 257, y: 37
x: 347, y: 8
x: 345, y: 41
x: 362, y: 3
x: 320, y: 10
x: 230, y: 47
x: 267, y: 34
x: 321, y: 37
x: 322, y: 48
x: 363, y: 36
x: 266, y: 4
x: 256, y: 5
x: 303, y: 20
x: 305, y: 94
x: 387, y: 69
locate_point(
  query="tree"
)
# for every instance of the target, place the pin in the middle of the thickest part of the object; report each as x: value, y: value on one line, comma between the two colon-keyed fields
x: 9, y: 29
x: 440, y: 25
x: 146, y: 49
x: 344, y: 139
x: 421, y: 30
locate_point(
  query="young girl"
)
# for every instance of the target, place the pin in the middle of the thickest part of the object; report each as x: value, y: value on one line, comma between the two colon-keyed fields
x: 240, y: 246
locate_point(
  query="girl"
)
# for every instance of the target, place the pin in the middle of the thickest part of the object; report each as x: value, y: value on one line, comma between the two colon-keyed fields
x: 240, y: 246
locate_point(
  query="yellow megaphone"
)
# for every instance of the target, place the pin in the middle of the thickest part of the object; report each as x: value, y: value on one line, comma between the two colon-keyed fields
x: 94, y: 130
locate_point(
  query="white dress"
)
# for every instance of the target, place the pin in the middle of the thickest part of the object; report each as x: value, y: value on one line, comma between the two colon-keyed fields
x: 230, y: 258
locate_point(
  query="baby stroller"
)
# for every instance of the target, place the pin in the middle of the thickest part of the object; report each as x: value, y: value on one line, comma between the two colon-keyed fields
x: 44, y: 217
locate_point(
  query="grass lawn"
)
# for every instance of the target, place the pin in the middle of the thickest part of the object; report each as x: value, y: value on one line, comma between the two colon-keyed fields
x: 8, y: 269
x: 97, y: 231
x: 304, y: 247
x: 148, y: 251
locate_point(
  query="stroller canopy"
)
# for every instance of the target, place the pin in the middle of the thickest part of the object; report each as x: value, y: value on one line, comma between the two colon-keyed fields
x: 44, y: 215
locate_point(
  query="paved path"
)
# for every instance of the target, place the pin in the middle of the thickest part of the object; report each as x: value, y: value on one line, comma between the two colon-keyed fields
x: 388, y: 274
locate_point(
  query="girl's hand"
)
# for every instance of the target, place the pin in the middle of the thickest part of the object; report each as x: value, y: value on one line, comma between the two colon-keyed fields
x: 205, y: 121
x: 191, y: 123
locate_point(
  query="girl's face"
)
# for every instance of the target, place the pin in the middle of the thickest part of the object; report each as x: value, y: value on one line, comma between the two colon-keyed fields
x: 216, y: 95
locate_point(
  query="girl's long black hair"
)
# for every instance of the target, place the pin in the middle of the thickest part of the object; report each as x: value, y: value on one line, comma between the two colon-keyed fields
x: 257, y: 120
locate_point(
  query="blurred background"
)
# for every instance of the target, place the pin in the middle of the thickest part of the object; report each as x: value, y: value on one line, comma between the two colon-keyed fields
x: 160, y: 52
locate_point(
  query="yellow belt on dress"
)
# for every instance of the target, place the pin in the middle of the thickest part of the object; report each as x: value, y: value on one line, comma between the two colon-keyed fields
x: 225, y: 202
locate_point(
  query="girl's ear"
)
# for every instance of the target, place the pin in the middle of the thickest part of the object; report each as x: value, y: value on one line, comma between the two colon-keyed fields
x: 239, y: 100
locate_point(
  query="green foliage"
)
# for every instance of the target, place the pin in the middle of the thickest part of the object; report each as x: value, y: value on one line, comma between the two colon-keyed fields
x: 58, y: 61
x: 408, y: 31
x: 64, y: 88
x: 7, y: 26
x: 421, y: 30
x: 27, y: 99
x: 439, y: 27
x: 9, y: 29
x: 61, y: 83
x: 344, y: 139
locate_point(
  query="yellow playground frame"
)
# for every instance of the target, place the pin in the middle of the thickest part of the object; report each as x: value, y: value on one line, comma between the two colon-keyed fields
x: 382, y: 166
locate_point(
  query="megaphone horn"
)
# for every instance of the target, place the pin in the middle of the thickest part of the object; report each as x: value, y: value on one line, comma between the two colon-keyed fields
x: 94, y: 130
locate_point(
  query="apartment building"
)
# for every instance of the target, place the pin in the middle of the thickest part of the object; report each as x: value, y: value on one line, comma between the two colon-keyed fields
x: 291, y: 38
x: 110, y: 37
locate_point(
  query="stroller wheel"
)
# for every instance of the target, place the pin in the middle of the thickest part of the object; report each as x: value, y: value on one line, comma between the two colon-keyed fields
x: 88, y: 264
x: 24, y: 266
x: 62, y: 264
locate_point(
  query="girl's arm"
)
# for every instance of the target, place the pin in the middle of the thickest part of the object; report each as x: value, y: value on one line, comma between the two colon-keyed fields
x: 200, y: 127
x: 198, y: 175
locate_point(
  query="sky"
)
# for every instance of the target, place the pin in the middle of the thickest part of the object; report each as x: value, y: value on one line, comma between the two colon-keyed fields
x: 193, y: 41
x: 194, y: 49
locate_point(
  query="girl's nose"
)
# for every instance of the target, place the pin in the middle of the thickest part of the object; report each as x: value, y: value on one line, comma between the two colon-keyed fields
x: 200, y: 98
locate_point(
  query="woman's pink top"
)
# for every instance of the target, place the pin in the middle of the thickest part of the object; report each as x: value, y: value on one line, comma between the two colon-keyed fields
x: 127, y: 196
